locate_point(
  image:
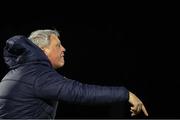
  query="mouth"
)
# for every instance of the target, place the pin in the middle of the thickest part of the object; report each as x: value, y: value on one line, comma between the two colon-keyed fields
x: 62, y: 55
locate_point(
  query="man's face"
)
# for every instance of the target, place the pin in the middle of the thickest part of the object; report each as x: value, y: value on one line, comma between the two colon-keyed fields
x: 55, y: 52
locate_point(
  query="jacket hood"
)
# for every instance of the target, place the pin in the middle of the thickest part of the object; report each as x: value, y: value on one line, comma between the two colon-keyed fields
x: 20, y: 50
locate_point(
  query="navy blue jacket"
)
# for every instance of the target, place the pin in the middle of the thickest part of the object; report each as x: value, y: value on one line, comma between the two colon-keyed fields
x: 32, y: 88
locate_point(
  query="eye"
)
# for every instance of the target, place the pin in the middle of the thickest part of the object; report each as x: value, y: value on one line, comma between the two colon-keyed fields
x: 58, y: 45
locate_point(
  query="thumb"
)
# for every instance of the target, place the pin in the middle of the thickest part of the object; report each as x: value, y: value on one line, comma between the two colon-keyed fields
x: 144, y: 110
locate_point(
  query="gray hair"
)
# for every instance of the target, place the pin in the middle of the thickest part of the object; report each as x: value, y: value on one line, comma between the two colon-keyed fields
x: 41, y: 38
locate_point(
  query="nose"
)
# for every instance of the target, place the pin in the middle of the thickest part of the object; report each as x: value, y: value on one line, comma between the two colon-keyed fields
x: 62, y: 48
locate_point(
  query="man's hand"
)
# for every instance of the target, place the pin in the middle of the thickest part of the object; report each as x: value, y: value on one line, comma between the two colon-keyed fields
x: 137, y: 105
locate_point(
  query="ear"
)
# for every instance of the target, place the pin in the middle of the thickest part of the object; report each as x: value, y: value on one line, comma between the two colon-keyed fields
x: 45, y: 50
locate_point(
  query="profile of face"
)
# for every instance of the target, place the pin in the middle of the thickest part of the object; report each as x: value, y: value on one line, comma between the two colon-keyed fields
x: 55, y: 52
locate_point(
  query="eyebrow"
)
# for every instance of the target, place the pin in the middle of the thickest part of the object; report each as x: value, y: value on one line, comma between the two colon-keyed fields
x: 59, y: 43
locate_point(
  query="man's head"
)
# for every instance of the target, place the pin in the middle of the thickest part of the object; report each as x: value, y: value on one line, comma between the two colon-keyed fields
x: 48, y: 41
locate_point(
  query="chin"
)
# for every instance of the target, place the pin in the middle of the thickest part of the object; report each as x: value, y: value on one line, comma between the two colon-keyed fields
x: 60, y: 65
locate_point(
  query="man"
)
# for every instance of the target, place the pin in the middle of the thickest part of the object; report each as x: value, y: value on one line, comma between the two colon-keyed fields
x: 32, y: 87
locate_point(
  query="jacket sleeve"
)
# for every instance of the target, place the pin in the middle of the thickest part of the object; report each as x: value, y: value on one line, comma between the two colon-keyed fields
x: 51, y: 85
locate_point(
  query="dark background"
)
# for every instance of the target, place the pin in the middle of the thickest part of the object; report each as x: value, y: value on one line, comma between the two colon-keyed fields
x: 106, y: 51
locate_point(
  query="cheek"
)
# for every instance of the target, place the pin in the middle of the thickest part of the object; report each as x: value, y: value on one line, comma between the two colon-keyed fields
x: 54, y: 55
x: 57, y: 56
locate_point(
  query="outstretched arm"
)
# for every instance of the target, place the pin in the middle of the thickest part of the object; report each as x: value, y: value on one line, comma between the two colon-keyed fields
x: 51, y: 85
